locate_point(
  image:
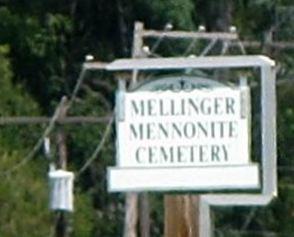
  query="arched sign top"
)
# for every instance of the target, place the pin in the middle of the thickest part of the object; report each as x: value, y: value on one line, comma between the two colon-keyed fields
x: 178, y: 83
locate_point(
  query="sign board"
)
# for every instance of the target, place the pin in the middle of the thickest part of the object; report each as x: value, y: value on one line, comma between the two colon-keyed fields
x: 184, y: 140
x: 198, y: 128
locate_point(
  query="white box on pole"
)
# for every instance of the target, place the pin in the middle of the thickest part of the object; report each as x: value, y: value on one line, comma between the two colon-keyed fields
x: 61, y: 190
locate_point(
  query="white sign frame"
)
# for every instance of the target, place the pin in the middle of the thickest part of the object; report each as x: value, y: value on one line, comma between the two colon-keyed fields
x: 266, y: 65
x: 268, y: 123
x: 267, y: 70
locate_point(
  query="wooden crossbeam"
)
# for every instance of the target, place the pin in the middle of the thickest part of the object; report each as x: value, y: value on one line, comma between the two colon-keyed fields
x: 189, y: 35
x: 23, y: 120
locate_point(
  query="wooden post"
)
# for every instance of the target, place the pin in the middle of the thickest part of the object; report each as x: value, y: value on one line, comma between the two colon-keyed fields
x: 61, y: 138
x: 131, y: 202
x: 181, y: 216
x: 131, y: 215
x: 61, y: 228
x: 138, y: 40
x: 132, y: 199
x: 61, y: 224
x: 144, y: 210
x: 144, y: 215
x: 137, y: 47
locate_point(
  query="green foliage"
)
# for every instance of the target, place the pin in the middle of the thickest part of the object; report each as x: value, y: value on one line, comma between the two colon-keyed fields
x: 37, y: 44
x: 12, y: 96
x: 14, y: 101
x: 23, y: 197
x: 42, y: 47
x: 24, y: 209
x: 158, y: 13
x: 83, y: 216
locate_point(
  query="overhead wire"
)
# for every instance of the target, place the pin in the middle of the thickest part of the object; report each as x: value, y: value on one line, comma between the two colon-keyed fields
x: 77, y: 86
x: 98, y: 147
x: 39, y: 143
x: 50, y: 126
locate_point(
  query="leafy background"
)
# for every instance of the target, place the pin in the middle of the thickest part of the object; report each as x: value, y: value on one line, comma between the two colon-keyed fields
x: 42, y: 46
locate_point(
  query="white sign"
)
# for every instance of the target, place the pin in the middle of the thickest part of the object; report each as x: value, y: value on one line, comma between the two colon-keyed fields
x: 196, y: 140
x: 197, y: 128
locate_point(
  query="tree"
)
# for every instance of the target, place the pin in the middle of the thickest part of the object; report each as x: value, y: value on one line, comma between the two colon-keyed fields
x: 23, y: 197
x: 45, y: 44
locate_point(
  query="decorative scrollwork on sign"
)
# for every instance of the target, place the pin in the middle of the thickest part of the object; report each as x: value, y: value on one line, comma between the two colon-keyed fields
x: 178, y: 83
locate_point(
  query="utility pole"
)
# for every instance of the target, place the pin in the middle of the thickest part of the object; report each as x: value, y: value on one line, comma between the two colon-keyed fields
x: 61, y: 228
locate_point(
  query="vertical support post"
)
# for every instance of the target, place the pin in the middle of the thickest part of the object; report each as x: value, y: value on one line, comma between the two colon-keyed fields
x: 137, y: 47
x: 205, y: 224
x: 138, y: 40
x: 269, y: 128
x: 181, y: 216
x: 144, y: 213
x: 144, y: 209
x: 132, y: 199
x: 61, y: 224
x: 131, y: 215
x: 61, y: 229
x: 61, y: 138
x: 131, y: 202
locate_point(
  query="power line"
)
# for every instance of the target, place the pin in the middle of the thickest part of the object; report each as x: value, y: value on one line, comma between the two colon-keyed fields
x: 77, y: 86
x: 39, y: 143
x: 98, y: 148
x: 63, y: 103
